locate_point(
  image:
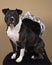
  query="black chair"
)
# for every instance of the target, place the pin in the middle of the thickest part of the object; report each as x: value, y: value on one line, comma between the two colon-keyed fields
x: 26, y: 60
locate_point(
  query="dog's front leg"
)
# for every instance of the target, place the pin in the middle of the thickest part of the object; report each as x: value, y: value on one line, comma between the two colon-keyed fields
x: 14, y: 54
x: 14, y: 46
x: 22, y: 51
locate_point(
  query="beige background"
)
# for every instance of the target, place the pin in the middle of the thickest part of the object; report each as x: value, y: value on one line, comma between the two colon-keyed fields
x: 39, y: 8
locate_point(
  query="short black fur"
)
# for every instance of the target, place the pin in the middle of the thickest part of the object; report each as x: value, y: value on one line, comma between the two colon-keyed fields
x: 33, y: 25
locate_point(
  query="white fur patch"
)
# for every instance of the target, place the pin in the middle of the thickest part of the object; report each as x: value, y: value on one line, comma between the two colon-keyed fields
x: 13, y: 56
x: 19, y: 59
x: 33, y: 57
x: 13, y: 33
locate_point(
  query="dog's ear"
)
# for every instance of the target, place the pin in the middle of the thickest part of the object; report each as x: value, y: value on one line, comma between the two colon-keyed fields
x: 19, y: 11
x: 5, y: 10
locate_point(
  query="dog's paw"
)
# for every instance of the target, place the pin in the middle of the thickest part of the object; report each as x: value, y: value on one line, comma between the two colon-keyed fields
x: 19, y: 59
x: 13, y: 56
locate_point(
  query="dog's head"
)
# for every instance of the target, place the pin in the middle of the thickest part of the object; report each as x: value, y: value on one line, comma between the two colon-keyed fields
x: 11, y: 16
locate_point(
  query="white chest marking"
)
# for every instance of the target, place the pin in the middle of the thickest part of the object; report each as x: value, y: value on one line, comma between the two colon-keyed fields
x: 13, y: 33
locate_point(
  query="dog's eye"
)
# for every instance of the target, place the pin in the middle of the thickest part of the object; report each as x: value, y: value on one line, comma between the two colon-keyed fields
x: 7, y: 15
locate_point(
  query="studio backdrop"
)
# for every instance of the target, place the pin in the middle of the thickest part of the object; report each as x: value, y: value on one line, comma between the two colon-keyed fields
x: 39, y: 8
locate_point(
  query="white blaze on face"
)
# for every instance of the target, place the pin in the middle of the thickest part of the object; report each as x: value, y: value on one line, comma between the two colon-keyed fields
x: 12, y: 17
x: 11, y: 25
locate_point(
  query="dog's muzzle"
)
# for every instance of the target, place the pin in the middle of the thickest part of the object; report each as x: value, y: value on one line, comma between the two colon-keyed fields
x: 11, y: 19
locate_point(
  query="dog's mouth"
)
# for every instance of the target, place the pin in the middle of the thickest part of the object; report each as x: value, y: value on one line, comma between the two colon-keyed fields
x: 11, y: 26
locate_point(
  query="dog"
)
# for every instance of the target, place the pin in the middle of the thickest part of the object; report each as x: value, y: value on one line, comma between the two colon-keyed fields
x: 22, y: 36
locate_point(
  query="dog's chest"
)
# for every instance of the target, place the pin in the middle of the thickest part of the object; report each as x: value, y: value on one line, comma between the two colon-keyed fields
x: 13, y: 34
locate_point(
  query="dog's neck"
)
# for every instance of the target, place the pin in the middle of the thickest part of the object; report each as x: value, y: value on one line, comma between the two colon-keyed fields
x: 18, y: 26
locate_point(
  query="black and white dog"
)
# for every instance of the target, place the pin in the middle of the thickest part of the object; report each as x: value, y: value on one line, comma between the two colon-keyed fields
x: 23, y: 34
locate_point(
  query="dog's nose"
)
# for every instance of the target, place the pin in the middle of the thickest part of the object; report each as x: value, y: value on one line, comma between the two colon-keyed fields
x: 11, y: 19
